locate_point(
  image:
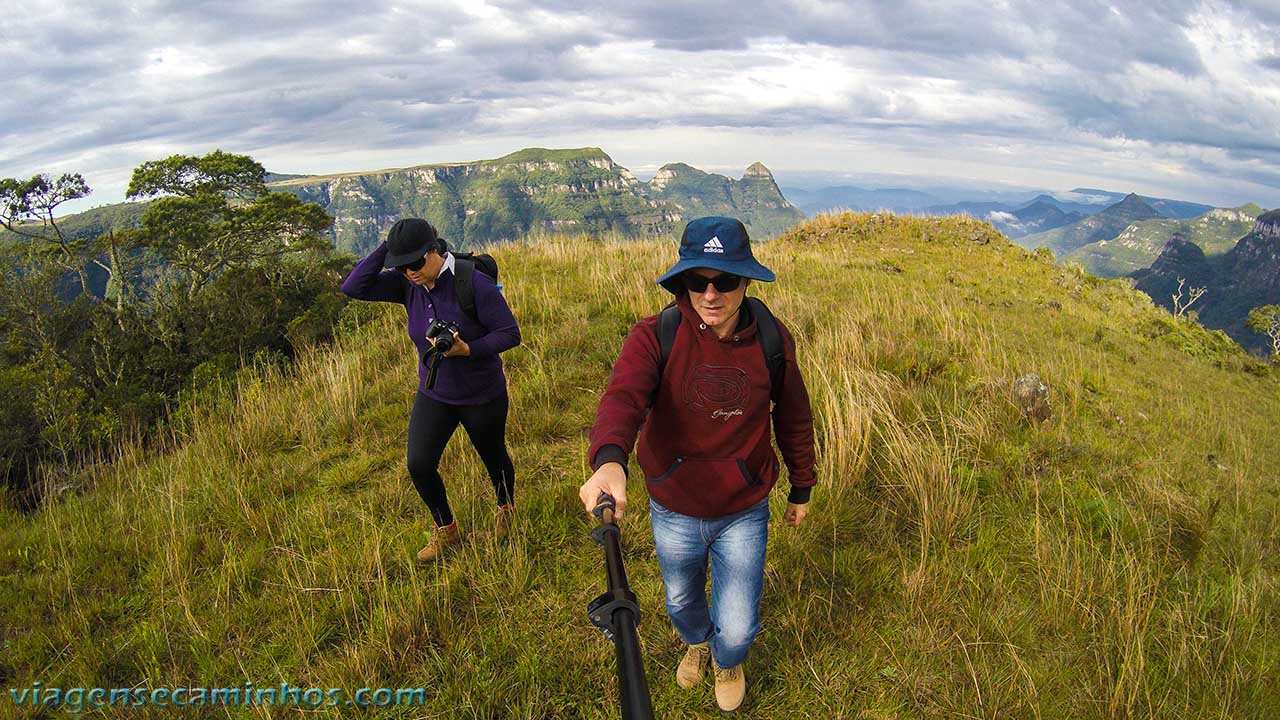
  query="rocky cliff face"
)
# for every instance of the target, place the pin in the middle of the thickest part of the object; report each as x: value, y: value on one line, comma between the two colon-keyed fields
x: 1230, y: 215
x: 1244, y: 278
x: 1268, y: 225
x: 1254, y: 264
x: 755, y: 198
x: 537, y: 190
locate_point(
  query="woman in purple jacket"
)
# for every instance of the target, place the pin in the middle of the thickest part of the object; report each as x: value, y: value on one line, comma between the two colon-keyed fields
x: 414, y: 267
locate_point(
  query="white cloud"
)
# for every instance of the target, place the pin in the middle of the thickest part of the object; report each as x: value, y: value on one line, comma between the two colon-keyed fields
x: 1085, y: 198
x: 1162, y: 99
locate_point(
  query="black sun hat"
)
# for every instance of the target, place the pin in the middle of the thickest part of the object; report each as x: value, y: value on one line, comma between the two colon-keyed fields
x: 408, y: 241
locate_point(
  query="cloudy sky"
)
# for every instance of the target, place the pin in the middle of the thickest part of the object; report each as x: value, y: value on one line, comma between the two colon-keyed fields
x: 1164, y: 97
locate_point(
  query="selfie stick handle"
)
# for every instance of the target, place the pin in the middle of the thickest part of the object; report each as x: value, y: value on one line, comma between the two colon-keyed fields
x: 618, y: 615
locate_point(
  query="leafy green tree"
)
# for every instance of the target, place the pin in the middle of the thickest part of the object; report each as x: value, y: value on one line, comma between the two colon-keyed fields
x: 28, y: 299
x: 1266, y: 320
x: 25, y: 203
x: 230, y: 271
x: 27, y: 209
x: 69, y: 423
x: 215, y: 214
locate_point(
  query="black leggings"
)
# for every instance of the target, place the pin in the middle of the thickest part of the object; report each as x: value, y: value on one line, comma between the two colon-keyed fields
x: 432, y: 423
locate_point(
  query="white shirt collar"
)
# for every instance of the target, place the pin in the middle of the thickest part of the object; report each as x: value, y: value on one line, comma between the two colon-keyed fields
x: 448, y: 265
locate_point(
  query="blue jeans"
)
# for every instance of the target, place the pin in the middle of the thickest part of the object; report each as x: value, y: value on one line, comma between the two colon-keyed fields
x: 735, y: 544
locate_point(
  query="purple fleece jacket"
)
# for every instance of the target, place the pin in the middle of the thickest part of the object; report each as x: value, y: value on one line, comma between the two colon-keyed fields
x: 470, y: 380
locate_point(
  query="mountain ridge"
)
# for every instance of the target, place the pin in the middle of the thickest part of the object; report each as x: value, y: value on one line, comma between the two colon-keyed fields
x: 540, y: 190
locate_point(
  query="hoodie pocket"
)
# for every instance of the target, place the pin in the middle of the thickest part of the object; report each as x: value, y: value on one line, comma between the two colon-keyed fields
x: 703, y: 487
x: 722, y: 473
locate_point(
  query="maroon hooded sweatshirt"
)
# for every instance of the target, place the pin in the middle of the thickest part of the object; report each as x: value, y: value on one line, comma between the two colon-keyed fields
x: 705, y: 446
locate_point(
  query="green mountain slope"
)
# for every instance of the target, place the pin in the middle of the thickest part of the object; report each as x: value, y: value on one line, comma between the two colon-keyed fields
x: 1138, y: 245
x: 1104, y: 225
x: 1117, y: 560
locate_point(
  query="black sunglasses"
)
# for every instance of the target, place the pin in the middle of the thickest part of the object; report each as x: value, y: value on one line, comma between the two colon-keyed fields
x: 724, y: 282
x: 415, y: 265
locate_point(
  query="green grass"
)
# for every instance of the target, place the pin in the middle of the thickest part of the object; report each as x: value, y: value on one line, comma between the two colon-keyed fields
x: 1119, y: 560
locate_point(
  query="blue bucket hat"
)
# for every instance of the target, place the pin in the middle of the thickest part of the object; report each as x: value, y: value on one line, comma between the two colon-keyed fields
x: 718, y: 243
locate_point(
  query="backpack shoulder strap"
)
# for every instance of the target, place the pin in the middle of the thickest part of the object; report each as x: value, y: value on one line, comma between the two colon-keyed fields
x: 668, y: 324
x: 464, y: 285
x: 775, y: 357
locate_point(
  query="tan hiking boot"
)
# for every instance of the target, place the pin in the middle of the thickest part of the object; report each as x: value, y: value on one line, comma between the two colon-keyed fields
x: 502, y: 522
x: 731, y: 686
x: 440, y: 539
x: 693, y: 665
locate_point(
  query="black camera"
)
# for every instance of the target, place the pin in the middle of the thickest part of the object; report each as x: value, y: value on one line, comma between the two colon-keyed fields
x: 442, y: 332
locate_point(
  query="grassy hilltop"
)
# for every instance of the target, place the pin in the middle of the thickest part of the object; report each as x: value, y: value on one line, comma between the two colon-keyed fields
x: 1120, y: 560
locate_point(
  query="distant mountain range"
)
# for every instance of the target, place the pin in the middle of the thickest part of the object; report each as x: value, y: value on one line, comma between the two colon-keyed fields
x: 1040, y: 213
x: 1176, y: 209
x: 538, y: 190
x: 1103, y: 225
x: 850, y: 197
x: 1244, y: 277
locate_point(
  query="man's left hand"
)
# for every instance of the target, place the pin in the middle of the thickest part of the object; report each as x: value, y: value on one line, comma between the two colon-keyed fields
x: 795, y: 514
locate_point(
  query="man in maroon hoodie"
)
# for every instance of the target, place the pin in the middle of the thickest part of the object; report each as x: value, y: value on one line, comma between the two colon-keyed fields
x: 704, y: 445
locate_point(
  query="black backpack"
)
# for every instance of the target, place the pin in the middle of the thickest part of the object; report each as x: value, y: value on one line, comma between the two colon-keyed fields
x: 770, y: 341
x: 463, y: 265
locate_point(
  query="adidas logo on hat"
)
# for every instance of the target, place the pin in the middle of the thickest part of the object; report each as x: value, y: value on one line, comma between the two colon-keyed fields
x: 713, y: 246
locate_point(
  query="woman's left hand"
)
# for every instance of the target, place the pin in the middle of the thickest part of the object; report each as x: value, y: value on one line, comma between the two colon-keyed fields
x: 460, y: 347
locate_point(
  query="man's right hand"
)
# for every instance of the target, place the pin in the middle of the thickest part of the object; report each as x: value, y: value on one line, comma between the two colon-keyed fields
x: 610, y: 478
